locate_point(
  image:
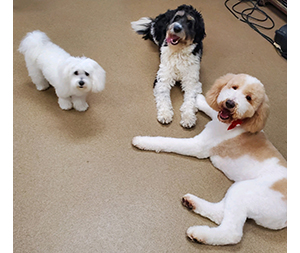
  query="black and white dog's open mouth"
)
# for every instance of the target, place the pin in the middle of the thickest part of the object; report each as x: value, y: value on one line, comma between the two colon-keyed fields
x: 173, y: 39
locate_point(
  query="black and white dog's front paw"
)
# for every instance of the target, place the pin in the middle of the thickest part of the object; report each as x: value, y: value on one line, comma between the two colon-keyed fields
x: 165, y: 116
x: 188, y: 119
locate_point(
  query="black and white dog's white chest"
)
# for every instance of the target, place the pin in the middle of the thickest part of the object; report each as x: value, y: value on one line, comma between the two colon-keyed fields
x: 179, y: 64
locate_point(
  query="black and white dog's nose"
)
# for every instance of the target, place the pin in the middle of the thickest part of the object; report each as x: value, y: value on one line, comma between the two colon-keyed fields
x: 81, y: 83
x: 177, y: 28
x: 230, y: 104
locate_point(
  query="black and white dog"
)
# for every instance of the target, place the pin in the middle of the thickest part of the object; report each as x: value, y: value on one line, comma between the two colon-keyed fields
x: 179, y: 34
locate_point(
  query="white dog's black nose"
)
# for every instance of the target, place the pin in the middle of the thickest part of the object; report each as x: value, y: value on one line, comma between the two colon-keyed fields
x: 177, y: 28
x: 81, y: 83
x: 230, y: 104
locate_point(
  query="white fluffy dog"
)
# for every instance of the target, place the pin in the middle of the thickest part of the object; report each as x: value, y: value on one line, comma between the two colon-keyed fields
x: 236, y: 145
x: 72, y: 77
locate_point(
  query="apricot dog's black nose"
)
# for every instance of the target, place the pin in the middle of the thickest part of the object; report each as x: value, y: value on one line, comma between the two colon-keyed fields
x: 230, y: 104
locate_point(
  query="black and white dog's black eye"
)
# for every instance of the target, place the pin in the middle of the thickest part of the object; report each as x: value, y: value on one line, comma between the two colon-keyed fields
x: 190, y: 23
x: 87, y: 74
x: 176, y: 18
x: 76, y: 73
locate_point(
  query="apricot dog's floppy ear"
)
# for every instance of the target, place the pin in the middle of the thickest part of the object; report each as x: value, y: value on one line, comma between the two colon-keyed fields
x: 258, y: 120
x: 213, y: 93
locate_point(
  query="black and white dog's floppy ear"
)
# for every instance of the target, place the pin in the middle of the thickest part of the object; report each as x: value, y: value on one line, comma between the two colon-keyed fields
x: 200, y: 32
x: 160, y: 26
x: 154, y: 29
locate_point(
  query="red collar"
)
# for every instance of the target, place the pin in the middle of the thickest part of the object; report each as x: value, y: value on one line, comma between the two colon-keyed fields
x: 234, y: 124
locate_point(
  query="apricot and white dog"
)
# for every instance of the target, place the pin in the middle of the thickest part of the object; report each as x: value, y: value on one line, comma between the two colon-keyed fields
x: 236, y: 145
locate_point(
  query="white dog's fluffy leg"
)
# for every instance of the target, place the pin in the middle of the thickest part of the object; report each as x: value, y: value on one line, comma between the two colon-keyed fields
x: 31, y: 46
x: 79, y: 103
x: 65, y: 103
x: 213, y: 211
x: 163, y: 102
x: 202, y: 105
x: 36, y: 75
x: 188, y: 108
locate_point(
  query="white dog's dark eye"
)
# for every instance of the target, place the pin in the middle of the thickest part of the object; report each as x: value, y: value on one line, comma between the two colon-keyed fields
x: 87, y: 74
x: 248, y: 98
x: 76, y: 73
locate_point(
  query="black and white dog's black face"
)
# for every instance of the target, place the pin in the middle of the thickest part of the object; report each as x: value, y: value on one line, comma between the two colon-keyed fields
x: 181, y: 28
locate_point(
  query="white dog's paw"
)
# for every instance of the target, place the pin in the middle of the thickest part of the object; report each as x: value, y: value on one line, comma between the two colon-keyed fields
x: 80, y: 106
x: 200, y: 234
x: 188, y: 119
x: 200, y: 102
x: 65, y: 104
x: 42, y: 86
x: 165, y: 116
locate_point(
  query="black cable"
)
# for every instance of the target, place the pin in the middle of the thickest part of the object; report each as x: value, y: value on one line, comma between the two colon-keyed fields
x: 246, y: 17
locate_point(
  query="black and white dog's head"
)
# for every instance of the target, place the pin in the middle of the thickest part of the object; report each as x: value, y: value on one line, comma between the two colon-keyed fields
x: 181, y: 27
x: 185, y: 27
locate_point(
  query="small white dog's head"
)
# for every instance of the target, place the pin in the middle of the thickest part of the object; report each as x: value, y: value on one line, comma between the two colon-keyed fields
x: 84, y: 74
x: 240, y: 97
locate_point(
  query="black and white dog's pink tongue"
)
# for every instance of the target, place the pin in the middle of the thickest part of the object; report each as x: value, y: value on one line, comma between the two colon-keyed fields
x: 173, y: 39
x: 225, y: 114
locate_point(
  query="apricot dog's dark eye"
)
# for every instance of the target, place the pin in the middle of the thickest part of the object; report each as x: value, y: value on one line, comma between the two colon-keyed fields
x: 234, y: 87
x: 76, y: 73
x: 248, y: 98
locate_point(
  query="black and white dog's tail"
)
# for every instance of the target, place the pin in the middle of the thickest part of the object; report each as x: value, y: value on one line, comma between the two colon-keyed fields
x: 143, y: 27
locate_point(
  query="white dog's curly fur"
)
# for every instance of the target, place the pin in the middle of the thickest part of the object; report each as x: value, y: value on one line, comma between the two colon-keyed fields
x: 179, y: 34
x: 72, y: 77
x: 236, y: 145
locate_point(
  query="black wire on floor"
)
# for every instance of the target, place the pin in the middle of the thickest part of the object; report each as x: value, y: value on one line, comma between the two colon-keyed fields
x: 247, y: 17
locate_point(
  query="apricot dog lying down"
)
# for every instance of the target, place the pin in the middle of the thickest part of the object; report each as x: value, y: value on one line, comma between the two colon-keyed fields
x: 236, y: 145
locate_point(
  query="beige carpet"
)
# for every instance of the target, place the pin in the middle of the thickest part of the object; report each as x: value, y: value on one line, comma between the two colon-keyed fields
x: 79, y: 185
